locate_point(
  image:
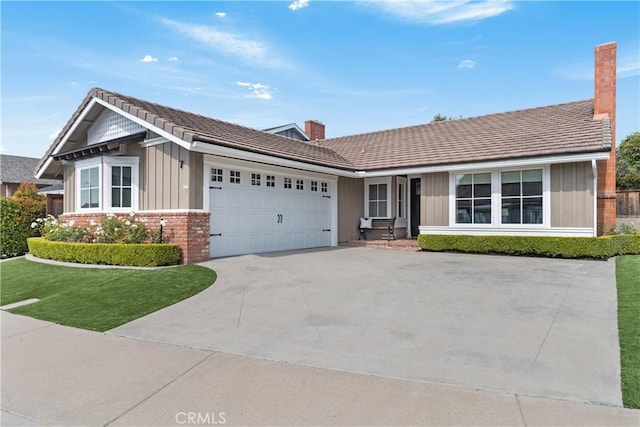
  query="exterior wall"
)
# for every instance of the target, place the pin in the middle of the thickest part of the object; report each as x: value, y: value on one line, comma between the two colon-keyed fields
x: 572, y: 195
x: 69, y: 173
x: 434, y: 201
x: 165, y: 172
x: 190, y: 230
x: 350, y: 207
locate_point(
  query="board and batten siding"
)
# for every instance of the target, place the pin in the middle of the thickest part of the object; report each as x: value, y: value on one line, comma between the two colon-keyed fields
x: 434, y: 201
x: 572, y: 195
x: 69, y: 173
x: 350, y: 207
x: 170, y: 178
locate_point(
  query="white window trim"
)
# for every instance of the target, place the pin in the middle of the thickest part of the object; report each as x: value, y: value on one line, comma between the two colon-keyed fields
x: 104, y: 165
x: 121, y: 161
x: 79, y: 167
x: 496, y: 200
x: 402, y: 221
x: 380, y: 180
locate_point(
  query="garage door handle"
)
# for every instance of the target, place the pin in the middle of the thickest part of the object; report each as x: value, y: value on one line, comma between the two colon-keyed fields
x: 215, y: 234
x: 326, y: 229
x: 326, y: 197
x: 215, y: 188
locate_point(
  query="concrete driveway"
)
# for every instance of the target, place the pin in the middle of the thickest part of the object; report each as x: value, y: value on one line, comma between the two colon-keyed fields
x: 529, y: 326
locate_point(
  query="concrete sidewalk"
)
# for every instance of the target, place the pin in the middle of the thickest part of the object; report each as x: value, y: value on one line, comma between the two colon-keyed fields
x: 56, y: 375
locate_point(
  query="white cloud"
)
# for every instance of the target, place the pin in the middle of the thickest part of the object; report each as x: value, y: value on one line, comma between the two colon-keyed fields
x: 257, y: 90
x: 173, y: 58
x: 467, y: 63
x: 221, y: 14
x: 227, y: 43
x: 435, y: 12
x: 299, y: 4
x: 149, y: 58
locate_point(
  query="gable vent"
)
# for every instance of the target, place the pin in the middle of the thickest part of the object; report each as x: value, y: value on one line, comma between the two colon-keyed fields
x: 111, y: 125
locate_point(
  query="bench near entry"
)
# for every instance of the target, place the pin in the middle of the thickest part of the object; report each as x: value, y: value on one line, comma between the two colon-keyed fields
x: 386, y: 224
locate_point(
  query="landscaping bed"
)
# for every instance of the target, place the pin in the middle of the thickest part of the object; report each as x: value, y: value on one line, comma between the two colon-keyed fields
x: 628, y: 282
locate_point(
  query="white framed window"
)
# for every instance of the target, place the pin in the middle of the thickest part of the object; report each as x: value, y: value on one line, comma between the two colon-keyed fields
x: 287, y: 183
x: 401, y: 197
x: 108, y: 184
x: 271, y: 181
x: 121, y: 183
x: 324, y: 187
x: 234, y: 177
x: 314, y: 185
x: 121, y: 187
x: 500, y: 198
x: 216, y: 175
x: 89, y: 187
x: 299, y: 184
x: 255, y: 179
x: 521, y: 197
x: 377, y: 197
x: 473, y: 198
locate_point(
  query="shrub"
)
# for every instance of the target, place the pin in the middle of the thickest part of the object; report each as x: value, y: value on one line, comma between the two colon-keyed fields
x: 17, y: 214
x: 13, y: 233
x: 140, y: 255
x: 553, y: 247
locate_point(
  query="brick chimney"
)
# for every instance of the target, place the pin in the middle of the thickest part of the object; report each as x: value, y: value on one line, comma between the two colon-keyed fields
x: 314, y: 130
x: 604, y: 105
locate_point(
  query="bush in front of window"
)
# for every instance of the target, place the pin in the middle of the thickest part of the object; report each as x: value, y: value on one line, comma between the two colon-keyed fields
x: 138, y: 255
x: 603, y: 247
x: 112, y: 229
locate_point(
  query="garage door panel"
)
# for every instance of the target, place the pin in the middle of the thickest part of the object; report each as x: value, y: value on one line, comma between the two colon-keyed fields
x: 251, y: 218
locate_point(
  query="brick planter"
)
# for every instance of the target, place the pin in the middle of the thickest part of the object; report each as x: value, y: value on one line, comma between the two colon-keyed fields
x: 189, y: 230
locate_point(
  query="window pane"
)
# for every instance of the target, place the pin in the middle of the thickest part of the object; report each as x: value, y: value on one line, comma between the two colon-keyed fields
x: 373, y: 192
x: 126, y: 176
x: 94, y: 198
x: 511, y: 211
x: 115, y: 197
x: 382, y: 209
x: 116, y: 176
x: 463, y: 209
x: 532, y: 210
x: 126, y: 197
x: 84, y: 178
x: 532, y: 175
x: 463, y: 186
x: 93, y: 173
x: 481, y: 190
x: 532, y: 188
x: 510, y: 189
x: 84, y: 198
x: 482, y: 211
x: 382, y: 192
x: 373, y: 209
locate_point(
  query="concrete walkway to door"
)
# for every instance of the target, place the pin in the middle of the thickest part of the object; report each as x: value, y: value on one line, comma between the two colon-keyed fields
x: 531, y: 326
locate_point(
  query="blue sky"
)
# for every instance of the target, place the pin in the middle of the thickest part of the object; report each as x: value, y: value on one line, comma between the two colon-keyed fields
x: 356, y: 66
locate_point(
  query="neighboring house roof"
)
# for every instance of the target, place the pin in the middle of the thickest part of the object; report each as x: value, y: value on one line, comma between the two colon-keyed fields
x: 568, y: 128
x: 52, y: 189
x: 16, y: 169
x: 292, y: 127
x: 555, y: 129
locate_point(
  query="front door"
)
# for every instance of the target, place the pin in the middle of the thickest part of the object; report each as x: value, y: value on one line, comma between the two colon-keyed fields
x: 415, y: 206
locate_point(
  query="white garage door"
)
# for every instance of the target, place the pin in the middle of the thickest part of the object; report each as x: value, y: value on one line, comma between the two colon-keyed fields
x: 256, y: 211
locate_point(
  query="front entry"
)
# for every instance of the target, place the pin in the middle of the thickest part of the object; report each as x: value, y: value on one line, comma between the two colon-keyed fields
x: 415, y: 206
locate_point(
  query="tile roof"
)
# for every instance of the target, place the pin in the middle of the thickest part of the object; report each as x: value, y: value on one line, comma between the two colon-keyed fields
x: 555, y: 129
x: 552, y: 130
x: 15, y: 169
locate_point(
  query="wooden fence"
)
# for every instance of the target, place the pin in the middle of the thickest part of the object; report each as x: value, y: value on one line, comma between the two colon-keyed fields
x: 628, y: 203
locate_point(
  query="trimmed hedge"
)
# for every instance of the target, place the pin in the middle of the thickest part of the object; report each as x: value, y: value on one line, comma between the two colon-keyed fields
x: 138, y: 255
x: 603, y: 247
x: 13, y: 233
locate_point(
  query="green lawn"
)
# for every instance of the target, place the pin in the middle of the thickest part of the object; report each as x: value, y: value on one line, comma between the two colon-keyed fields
x: 628, y: 280
x: 97, y: 299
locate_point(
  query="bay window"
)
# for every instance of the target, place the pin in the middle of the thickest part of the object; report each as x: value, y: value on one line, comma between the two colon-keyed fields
x: 107, y: 184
